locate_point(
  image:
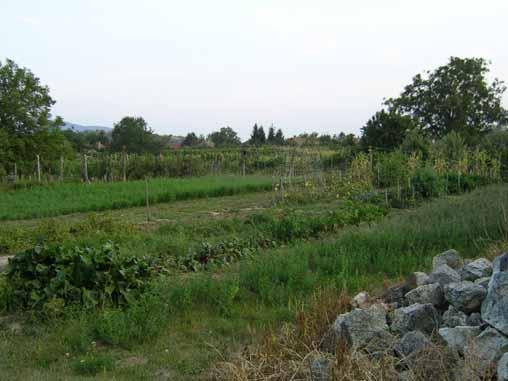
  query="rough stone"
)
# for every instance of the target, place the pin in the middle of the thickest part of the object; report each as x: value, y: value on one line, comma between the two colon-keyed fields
x: 458, y: 337
x: 450, y: 258
x: 320, y: 369
x: 444, y: 274
x: 485, y: 349
x: 411, y: 342
x: 474, y: 320
x: 452, y: 317
x: 421, y: 317
x: 502, y: 368
x: 479, y: 268
x: 356, y: 328
x: 495, y: 306
x: 500, y: 263
x: 379, y: 344
x: 361, y: 300
x: 421, y: 279
x: 465, y: 296
x: 429, y: 293
x: 484, y: 282
x: 395, y: 294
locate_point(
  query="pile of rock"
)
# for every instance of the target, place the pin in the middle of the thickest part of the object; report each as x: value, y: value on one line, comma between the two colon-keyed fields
x: 463, y: 304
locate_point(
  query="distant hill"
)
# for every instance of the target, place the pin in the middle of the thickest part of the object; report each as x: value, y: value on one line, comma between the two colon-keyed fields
x: 81, y: 128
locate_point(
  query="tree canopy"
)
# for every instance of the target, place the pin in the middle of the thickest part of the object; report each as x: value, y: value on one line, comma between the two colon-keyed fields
x: 225, y: 137
x: 133, y: 135
x: 26, y: 127
x: 456, y: 97
x: 257, y: 137
x: 386, y: 130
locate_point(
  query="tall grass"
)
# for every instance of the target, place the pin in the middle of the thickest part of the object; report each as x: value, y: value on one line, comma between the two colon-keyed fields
x: 359, y: 258
x: 394, y: 247
x: 65, y: 198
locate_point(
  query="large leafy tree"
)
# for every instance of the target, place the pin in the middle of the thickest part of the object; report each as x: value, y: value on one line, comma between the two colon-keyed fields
x: 133, y: 135
x: 386, y: 130
x: 26, y: 127
x: 225, y: 137
x: 456, y: 97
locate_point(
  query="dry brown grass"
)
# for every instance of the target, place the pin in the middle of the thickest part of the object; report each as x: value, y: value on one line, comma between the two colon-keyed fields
x: 286, y: 355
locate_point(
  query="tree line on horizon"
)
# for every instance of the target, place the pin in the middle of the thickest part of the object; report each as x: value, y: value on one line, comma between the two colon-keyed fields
x: 454, y: 101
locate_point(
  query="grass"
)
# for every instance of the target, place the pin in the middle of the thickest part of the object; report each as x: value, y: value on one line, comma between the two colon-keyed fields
x: 199, y: 319
x: 65, y: 198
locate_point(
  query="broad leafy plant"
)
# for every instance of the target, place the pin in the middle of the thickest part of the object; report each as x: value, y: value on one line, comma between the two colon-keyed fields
x: 49, y: 277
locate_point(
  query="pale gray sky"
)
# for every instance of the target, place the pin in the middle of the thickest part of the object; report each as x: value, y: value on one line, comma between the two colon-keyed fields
x: 198, y: 65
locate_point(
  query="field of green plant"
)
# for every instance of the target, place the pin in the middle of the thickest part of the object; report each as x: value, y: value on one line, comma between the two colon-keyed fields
x: 115, y: 295
x: 64, y: 198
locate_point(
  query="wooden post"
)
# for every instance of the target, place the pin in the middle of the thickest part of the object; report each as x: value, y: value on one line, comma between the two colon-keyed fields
x: 124, y: 165
x: 85, y: 168
x: 61, y: 168
x: 38, y: 168
x: 15, y: 172
x: 244, y: 153
x: 147, y: 200
x: 386, y: 197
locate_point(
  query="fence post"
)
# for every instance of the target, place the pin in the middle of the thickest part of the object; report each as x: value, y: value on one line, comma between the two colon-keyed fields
x: 61, y: 168
x: 38, y: 168
x: 147, y: 200
x: 85, y: 168
x: 15, y: 172
x: 124, y: 165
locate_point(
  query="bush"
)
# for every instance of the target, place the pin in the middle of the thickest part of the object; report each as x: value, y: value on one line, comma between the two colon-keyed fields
x: 464, y: 183
x: 50, y: 277
x: 427, y: 183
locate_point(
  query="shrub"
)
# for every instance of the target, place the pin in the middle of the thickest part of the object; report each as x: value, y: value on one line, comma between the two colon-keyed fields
x: 427, y: 182
x: 47, y: 277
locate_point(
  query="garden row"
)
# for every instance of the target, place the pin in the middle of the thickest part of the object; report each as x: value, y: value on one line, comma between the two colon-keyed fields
x: 133, y: 308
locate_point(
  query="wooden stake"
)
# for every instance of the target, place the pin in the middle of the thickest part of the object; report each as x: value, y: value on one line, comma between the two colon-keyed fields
x: 61, y: 168
x: 15, y: 172
x: 147, y: 200
x: 38, y: 168
x: 85, y: 168
x: 124, y: 166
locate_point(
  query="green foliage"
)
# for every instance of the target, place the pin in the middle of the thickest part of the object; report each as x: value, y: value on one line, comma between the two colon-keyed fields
x: 141, y: 320
x: 427, y: 183
x: 392, y: 169
x: 225, y: 137
x: 386, y: 130
x: 92, y: 364
x: 416, y: 142
x: 392, y: 248
x: 49, y: 278
x: 453, y: 146
x: 26, y: 128
x: 273, y: 230
x: 454, y: 97
x: 258, y: 137
x: 65, y: 198
x: 192, y: 140
x: 218, y: 254
x: 133, y: 135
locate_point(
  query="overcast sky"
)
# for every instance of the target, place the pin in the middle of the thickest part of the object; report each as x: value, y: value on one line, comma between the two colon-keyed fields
x: 193, y: 65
